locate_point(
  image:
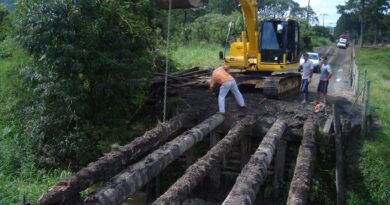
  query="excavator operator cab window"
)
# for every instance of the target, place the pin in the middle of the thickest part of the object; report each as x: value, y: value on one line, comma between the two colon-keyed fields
x: 278, y: 38
x: 272, y: 41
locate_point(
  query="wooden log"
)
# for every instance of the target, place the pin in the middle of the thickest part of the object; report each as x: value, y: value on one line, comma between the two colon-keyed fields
x: 346, y: 130
x: 366, y: 110
x: 364, y: 81
x: 340, y: 184
x: 133, y: 178
x: 245, y: 146
x: 328, y: 124
x: 279, y: 165
x: 197, y: 83
x: 181, y: 4
x: 176, y: 78
x: 193, y: 73
x: 178, y: 73
x: 300, y: 184
x: 116, y: 160
x: 198, y: 171
x: 214, y: 177
x: 255, y: 171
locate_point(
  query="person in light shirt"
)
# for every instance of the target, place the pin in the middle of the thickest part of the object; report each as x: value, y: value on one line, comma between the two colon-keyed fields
x: 307, y: 73
x: 221, y: 76
x: 325, y: 75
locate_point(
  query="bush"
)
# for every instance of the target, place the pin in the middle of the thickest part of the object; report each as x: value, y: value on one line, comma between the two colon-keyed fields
x: 320, y: 41
x: 212, y: 28
x: 91, y: 60
x: 4, y: 22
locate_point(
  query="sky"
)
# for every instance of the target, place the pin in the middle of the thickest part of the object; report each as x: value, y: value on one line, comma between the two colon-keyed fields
x: 324, y: 7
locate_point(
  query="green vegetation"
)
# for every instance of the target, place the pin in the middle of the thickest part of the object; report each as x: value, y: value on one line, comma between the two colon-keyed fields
x: 372, y: 15
x: 203, y: 55
x: 20, y: 178
x: 370, y: 176
x: 86, y: 76
x: 73, y: 72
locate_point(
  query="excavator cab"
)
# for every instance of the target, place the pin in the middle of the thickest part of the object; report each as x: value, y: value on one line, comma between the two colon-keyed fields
x: 279, y: 42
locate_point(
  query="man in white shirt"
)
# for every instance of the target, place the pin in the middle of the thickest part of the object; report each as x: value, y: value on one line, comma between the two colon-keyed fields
x: 307, y: 73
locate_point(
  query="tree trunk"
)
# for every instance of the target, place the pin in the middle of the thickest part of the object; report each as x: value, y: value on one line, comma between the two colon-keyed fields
x: 113, y: 162
x: 198, y: 171
x: 300, y: 184
x: 362, y: 23
x: 133, y: 178
x: 255, y: 171
x: 181, y: 4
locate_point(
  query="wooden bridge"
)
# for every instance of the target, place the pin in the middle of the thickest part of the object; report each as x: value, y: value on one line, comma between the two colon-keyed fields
x: 127, y: 169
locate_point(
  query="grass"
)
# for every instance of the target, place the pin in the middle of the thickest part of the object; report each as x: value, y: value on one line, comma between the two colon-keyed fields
x: 373, y: 155
x: 20, y: 178
x: 320, y: 41
x: 202, y: 55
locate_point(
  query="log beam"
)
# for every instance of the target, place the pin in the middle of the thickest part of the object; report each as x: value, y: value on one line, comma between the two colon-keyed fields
x: 255, y: 171
x: 116, y: 160
x: 279, y: 166
x: 120, y: 187
x: 300, y: 184
x: 214, y: 176
x: 198, y: 171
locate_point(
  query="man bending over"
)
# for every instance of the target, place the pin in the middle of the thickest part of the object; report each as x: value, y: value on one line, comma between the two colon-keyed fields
x: 221, y: 76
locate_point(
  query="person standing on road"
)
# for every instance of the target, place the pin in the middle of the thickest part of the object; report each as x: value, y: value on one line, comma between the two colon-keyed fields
x: 325, y: 75
x: 307, y: 73
x: 221, y: 76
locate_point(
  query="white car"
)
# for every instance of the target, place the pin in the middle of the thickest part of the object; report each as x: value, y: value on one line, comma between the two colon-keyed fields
x: 315, y: 58
x: 341, y: 44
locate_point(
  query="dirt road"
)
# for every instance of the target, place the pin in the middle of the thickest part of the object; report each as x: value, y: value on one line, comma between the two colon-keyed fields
x: 341, y: 63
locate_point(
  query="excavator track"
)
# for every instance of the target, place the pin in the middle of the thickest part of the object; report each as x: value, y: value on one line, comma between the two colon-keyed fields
x: 277, y: 86
x: 274, y: 86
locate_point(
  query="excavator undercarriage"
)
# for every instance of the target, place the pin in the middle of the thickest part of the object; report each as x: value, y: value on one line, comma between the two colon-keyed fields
x: 273, y: 86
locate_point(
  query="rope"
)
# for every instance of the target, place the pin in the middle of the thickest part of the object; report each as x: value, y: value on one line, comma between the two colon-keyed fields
x: 167, y: 61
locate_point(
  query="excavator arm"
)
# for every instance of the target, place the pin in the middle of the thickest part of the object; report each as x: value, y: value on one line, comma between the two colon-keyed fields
x: 249, y: 9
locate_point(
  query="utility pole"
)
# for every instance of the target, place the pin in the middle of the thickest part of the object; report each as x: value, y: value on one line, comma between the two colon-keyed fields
x: 323, y: 15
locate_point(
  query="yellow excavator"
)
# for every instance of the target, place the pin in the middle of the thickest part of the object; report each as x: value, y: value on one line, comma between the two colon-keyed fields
x: 266, y: 55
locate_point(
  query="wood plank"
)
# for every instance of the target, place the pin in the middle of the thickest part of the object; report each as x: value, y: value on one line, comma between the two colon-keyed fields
x: 255, y: 171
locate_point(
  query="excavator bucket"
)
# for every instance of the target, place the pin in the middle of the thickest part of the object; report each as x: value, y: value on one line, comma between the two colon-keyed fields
x: 181, y: 4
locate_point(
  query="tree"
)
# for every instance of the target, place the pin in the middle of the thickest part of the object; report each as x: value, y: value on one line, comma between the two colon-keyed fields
x: 371, y: 13
x: 284, y: 8
x: 224, y: 7
x: 92, y: 60
x: 4, y: 22
x: 321, y: 31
